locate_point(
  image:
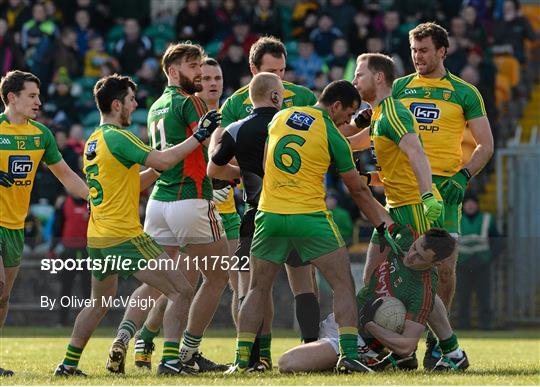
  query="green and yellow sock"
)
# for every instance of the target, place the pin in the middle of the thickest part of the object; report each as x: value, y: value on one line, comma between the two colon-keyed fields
x: 148, y: 335
x: 244, y: 344
x: 73, y: 355
x: 348, y: 340
x: 266, y: 344
x: 170, y: 351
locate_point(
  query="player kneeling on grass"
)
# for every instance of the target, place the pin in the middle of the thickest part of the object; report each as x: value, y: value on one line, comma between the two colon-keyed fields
x: 111, y: 163
x: 410, y: 277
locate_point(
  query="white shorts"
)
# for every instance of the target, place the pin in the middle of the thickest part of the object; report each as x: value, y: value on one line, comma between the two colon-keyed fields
x: 328, y: 332
x: 183, y: 222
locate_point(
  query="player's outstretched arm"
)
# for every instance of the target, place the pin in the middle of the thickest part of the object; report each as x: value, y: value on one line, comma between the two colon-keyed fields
x: 148, y: 177
x: 219, y: 166
x: 481, y: 132
x: 162, y: 160
x: 360, y: 140
x: 402, y: 344
x: 69, y: 179
x: 364, y: 199
x: 223, y: 172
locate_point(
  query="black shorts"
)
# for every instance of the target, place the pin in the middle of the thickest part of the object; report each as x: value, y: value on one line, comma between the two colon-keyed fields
x: 247, y: 229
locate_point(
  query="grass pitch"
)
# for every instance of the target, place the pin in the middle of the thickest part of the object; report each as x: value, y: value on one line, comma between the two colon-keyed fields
x: 497, y: 358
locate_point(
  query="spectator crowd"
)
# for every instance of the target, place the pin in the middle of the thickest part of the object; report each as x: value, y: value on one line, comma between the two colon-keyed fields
x: 69, y: 44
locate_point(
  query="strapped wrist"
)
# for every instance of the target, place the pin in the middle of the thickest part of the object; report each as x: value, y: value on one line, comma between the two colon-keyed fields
x: 426, y: 195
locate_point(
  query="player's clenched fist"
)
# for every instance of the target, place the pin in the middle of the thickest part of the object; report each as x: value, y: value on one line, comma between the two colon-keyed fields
x: 453, y: 189
x: 363, y: 119
x: 207, y: 124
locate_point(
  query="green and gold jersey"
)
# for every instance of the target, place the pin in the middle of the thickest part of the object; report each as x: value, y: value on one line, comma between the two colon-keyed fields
x: 22, y: 148
x: 389, y: 123
x: 112, y: 156
x: 302, y: 143
x: 442, y: 108
x: 415, y: 288
x: 172, y: 119
x: 239, y: 106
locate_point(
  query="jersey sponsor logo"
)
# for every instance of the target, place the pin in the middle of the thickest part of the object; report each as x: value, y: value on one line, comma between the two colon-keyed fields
x: 425, y: 113
x: 160, y: 112
x: 383, y: 280
x: 91, y: 150
x: 20, y: 166
x: 4, y: 141
x: 300, y: 121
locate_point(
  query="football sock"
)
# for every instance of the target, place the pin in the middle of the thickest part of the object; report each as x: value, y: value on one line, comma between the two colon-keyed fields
x: 450, y: 347
x: 265, y: 344
x: 348, y: 337
x: 147, y: 335
x: 73, y: 355
x: 126, y: 331
x: 190, y: 346
x: 431, y: 339
x: 244, y: 344
x: 255, y: 350
x: 308, y: 314
x: 170, y: 351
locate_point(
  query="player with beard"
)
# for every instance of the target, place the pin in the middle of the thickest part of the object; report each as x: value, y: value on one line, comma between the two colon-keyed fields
x: 180, y: 213
x: 212, y: 88
x: 117, y: 244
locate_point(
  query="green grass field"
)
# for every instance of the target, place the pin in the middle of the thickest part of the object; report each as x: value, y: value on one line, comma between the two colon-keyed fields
x: 497, y: 358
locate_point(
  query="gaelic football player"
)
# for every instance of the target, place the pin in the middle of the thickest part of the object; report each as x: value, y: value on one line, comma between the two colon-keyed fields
x: 24, y: 143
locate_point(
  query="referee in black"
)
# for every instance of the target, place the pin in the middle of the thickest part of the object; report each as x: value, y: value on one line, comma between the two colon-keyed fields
x: 245, y: 140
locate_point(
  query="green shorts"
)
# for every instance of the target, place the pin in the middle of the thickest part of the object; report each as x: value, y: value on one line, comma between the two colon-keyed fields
x: 231, y: 223
x: 124, y: 259
x: 452, y: 212
x: 312, y: 235
x: 412, y: 214
x: 11, y: 246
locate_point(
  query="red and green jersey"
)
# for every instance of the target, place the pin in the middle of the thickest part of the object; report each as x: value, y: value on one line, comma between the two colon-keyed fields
x: 172, y: 119
x: 22, y: 148
x: 415, y: 288
x: 239, y: 106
